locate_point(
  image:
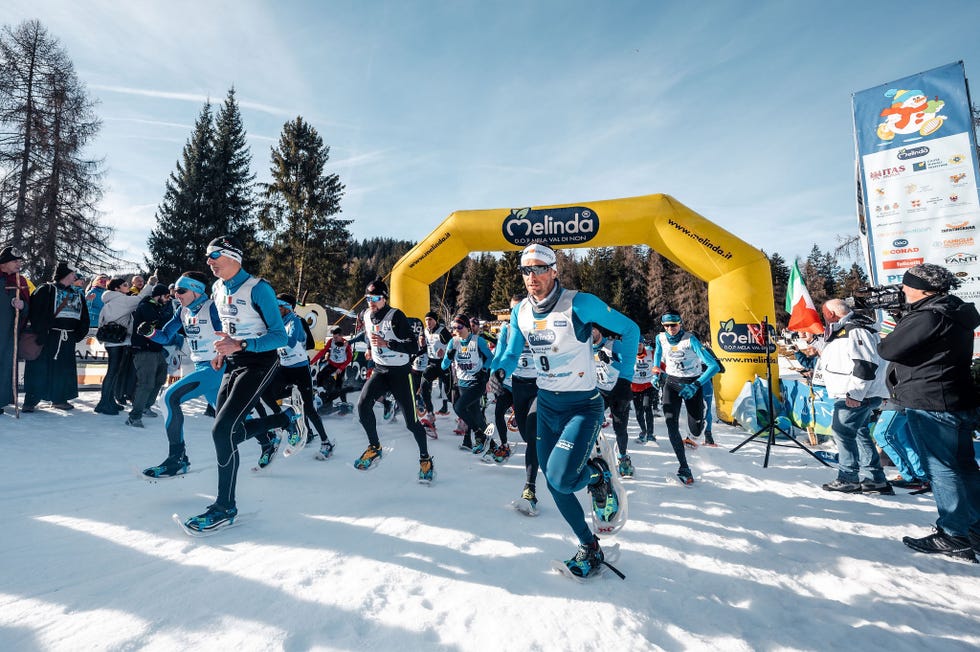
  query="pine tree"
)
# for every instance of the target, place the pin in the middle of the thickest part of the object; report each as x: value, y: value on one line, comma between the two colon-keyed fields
x: 231, y: 181
x: 476, y: 286
x: 629, y: 289
x: 48, y: 190
x: 691, y: 299
x: 661, y: 275
x: 507, y: 281
x: 179, y: 240
x: 850, y: 281
x: 813, y: 276
x: 780, y: 280
x: 307, y: 242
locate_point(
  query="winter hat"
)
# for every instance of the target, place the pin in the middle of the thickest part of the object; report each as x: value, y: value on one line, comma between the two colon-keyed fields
x: 670, y: 317
x: 159, y: 290
x: 538, y: 251
x: 930, y: 278
x: 287, y: 299
x: 8, y: 254
x: 432, y: 314
x: 377, y: 286
x: 61, y: 271
x: 226, y: 245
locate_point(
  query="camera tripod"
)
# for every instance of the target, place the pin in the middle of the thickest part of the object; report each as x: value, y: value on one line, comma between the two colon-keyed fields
x: 770, y: 430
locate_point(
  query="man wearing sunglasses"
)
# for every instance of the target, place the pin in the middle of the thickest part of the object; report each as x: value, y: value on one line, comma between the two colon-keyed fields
x: 251, y: 332
x: 557, y: 325
x: 393, y: 342
x: 688, y: 367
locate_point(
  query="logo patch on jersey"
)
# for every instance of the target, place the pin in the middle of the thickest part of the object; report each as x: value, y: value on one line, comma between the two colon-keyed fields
x: 192, y: 329
x: 540, y: 324
x: 240, y: 302
x: 541, y: 338
x: 564, y: 444
x: 229, y: 310
x: 561, y: 322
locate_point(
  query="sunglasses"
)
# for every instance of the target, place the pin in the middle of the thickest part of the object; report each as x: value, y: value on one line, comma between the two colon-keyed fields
x: 215, y: 255
x: 672, y: 325
x: 181, y: 290
x: 457, y: 327
x: 373, y: 298
x: 527, y: 270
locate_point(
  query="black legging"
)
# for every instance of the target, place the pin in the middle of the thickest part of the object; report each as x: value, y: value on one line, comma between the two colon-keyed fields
x: 245, y: 379
x: 643, y: 402
x: 398, y: 381
x: 672, y: 414
x: 433, y: 372
x: 287, y: 377
x: 525, y: 394
x: 118, y: 356
x: 470, y: 408
x: 505, y: 400
x: 620, y: 412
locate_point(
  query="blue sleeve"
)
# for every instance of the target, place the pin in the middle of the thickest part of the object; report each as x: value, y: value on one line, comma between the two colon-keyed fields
x: 712, y: 366
x: 446, y: 361
x: 589, y: 308
x: 507, y: 359
x: 502, y: 338
x: 658, y: 354
x: 168, y: 333
x: 264, y: 300
x: 294, y: 330
x: 215, y: 317
x: 485, y: 350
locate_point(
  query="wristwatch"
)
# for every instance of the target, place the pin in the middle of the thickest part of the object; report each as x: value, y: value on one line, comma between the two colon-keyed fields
x: 243, y: 344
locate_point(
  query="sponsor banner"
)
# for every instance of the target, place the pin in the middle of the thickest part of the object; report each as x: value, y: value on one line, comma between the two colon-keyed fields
x: 733, y: 337
x: 918, y: 172
x: 554, y: 226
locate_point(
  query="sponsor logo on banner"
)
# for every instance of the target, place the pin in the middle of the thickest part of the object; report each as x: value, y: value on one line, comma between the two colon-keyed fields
x: 961, y: 258
x: 910, y: 112
x: 966, y: 278
x: 901, y: 263
x: 899, y: 251
x: 953, y: 243
x: 743, y: 338
x: 885, y: 173
x: 906, y: 153
x: 957, y: 178
x: 901, y: 242
x: 553, y: 226
x: 894, y: 278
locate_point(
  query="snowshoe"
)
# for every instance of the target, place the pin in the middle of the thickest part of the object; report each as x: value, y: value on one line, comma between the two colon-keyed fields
x: 368, y: 459
x: 296, y: 430
x: 169, y: 468
x: 215, y: 518
x: 609, y: 501
x: 427, y: 470
x: 690, y: 443
x: 685, y: 476
x: 589, y: 561
x: 625, y: 466
x: 268, y: 455
x: 527, y: 504
x: 430, y: 427
x: 326, y: 451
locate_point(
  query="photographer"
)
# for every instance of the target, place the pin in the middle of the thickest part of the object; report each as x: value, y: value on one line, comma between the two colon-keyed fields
x: 930, y: 352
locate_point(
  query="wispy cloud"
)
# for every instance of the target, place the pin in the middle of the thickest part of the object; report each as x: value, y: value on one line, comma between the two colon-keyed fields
x: 152, y: 123
x: 192, y: 97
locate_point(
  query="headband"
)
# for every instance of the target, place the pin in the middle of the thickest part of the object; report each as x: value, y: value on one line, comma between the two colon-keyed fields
x: 911, y: 280
x: 187, y: 283
x: 234, y: 254
x: 537, y: 251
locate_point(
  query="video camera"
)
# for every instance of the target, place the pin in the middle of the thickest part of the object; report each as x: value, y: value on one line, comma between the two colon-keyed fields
x: 869, y: 298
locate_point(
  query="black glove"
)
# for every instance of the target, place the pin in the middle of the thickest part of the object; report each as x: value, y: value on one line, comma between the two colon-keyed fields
x: 622, y: 391
x: 145, y: 328
x: 496, y: 382
x: 603, y: 356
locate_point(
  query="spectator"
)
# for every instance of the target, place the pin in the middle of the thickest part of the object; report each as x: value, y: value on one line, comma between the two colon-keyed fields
x: 136, y: 285
x: 59, y: 317
x: 117, y: 307
x: 149, y: 359
x: 93, y: 297
x: 854, y: 375
x: 930, y: 352
x: 13, y: 310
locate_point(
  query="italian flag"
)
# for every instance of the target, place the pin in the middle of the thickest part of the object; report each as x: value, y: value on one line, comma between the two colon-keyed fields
x: 803, y: 315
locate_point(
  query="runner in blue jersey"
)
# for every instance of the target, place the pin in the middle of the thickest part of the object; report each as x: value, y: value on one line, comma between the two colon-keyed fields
x: 251, y: 333
x: 557, y: 325
x: 196, y: 322
x: 688, y: 366
x: 468, y: 354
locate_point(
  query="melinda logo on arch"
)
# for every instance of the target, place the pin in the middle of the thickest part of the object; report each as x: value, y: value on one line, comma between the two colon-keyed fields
x: 553, y: 226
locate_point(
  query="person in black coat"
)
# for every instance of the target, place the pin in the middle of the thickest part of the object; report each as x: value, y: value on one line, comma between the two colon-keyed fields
x: 149, y: 358
x: 931, y: 350
x: 59, y: 317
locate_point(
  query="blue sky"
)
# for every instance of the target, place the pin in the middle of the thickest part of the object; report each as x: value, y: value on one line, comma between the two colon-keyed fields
x: 740, y: 110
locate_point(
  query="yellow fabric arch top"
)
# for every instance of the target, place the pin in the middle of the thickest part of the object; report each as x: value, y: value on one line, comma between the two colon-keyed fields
x: 740, y: 291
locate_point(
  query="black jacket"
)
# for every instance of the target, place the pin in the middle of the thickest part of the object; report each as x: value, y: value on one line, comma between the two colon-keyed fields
x: 155, y: 313
x: 930, y: 352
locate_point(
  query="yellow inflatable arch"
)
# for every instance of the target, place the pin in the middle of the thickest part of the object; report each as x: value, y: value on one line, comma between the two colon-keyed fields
x: 739, y: 282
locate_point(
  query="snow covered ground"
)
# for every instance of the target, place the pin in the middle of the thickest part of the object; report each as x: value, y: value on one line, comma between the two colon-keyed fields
x: 337, y: 559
